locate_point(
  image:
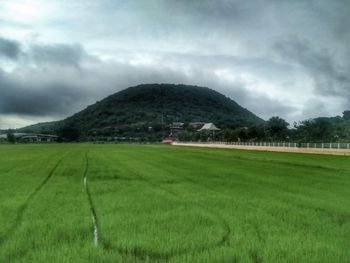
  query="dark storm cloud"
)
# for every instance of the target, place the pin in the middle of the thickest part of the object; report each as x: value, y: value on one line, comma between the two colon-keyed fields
x: 9, y: 48
x: 61, y: 54
x: 50, y: 88
x: 61, y: 90
x: 330, y: 78
x: 44, y: 54
x: 24, y: 99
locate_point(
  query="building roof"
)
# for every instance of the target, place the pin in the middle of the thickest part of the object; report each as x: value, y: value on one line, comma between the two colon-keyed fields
x: 209, y: 127
x: 176, y: 125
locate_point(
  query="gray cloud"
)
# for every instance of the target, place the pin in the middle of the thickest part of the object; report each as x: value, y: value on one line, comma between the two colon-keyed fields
x: 287, y: 58
x: 330, y: 78
x: 313, y: 105
x: 9, y: 48
x: 60, y: 54
x: 60, y: 91
x: 24, y: 99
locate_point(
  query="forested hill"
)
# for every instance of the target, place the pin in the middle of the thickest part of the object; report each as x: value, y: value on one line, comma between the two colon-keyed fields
x: 136, y: 108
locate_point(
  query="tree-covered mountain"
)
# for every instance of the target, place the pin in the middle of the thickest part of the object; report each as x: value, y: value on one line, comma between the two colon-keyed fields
x: 150, y: 108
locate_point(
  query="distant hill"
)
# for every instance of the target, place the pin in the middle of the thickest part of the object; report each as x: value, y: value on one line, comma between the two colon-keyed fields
x: 43, y: 127
x: 133, y: 110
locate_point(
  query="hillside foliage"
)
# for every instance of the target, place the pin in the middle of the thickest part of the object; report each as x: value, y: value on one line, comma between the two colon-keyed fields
x: 147, y: 111
x: 144, y: 112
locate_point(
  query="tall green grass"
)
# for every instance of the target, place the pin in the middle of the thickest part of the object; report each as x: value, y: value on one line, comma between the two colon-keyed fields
x: 172, y: 204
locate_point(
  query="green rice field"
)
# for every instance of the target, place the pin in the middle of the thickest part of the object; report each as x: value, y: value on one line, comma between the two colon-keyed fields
x: 155, y: 203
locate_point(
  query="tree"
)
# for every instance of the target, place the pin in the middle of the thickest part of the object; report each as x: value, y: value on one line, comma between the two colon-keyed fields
x: 69, y: 133
x: 11, y: 137
x: 242, y: 134
x: 229, y: 135
x: 315, y: 130
x: 256, y: 132
x: 277, y: 128
x: 185, y: 136
x: 346, y: 115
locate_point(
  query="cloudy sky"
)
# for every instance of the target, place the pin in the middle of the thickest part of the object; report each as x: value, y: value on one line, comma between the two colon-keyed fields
x: 274, y: 57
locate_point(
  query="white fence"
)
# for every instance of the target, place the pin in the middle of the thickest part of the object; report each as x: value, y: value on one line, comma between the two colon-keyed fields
x: 308, y: 145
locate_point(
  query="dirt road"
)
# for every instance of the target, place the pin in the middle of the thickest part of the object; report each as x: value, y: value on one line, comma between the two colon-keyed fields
x: 268, y: 148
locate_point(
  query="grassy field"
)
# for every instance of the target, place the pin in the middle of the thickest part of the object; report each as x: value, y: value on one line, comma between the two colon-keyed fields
x: 171, y: 204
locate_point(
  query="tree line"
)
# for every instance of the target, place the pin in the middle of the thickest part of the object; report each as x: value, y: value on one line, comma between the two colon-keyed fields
x: 323, y: 129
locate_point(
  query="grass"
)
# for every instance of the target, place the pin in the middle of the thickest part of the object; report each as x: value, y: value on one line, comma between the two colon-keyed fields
x: 172, y: 204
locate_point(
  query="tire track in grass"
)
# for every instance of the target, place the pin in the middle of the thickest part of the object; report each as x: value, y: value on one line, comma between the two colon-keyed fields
x: 226, y: 238
x: 91, y: 205
x: 254, y: 253
x: 20, y: 212
x: 145, y: 254
x: 227, y: 230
